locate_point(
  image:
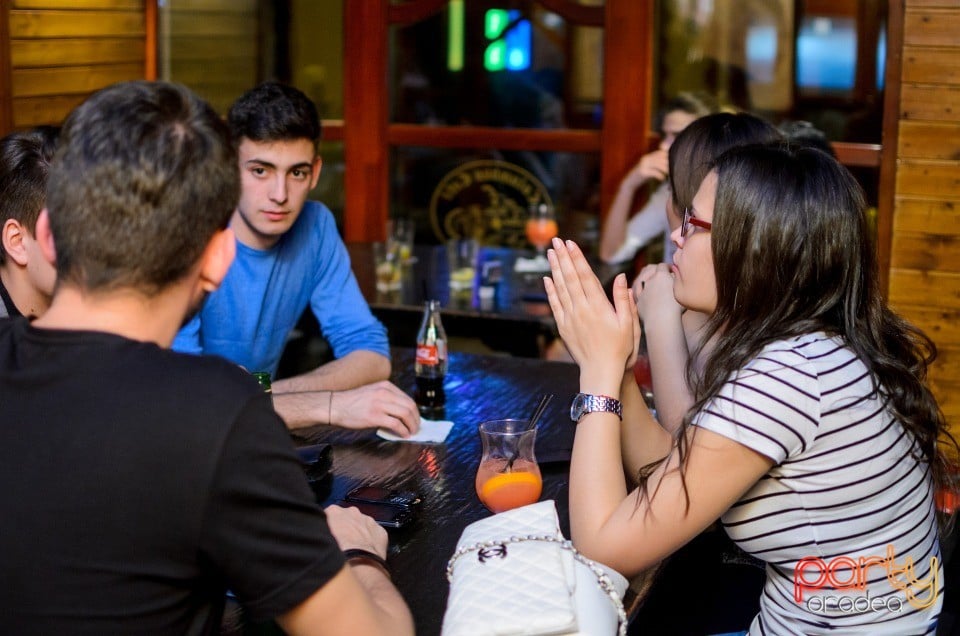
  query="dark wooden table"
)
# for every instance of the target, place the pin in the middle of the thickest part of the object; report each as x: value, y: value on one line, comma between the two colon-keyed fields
x: 478, y: 388
x: 517, y: 320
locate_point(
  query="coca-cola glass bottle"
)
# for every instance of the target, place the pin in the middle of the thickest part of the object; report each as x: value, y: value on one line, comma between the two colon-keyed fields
x: 431, y: 361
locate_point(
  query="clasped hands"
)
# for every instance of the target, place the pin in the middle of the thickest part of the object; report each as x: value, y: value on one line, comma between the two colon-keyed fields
x: 602, y: 338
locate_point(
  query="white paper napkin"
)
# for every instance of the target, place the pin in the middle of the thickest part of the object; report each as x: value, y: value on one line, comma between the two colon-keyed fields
x: 536, y: 264
x: 431, y: 432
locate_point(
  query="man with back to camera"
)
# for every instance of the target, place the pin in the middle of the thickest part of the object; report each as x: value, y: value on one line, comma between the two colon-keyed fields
x: 289, y: 255
x: 140, y: 484
x: 26, y: 278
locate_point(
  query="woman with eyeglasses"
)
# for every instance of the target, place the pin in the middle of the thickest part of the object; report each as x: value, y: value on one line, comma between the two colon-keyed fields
x: 813, y: 437
x: 671, y: 332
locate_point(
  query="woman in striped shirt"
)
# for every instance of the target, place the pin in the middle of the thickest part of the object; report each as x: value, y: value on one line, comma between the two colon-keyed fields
x: 813, y: 437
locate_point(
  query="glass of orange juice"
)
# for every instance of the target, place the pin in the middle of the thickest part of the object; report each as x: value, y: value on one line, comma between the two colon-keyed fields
x: 508, y: 476
x: 541, y: 227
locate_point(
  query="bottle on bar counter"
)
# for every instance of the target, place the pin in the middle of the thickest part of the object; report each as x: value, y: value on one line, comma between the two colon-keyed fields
x: 431, y: 361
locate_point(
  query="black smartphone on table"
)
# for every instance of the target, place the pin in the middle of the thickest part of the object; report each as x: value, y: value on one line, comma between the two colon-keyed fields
x: 387, y: 515
x: 383, y: 496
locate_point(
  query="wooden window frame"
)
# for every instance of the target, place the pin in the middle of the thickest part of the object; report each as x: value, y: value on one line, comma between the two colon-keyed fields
x: 368, y: 135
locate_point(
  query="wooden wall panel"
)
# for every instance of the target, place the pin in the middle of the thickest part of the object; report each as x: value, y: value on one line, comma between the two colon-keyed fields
x: 930, y: 102
x: 62, y: 50
x: 937, y: 322
x: 931, y: 65
x: 131, y: 5
x: 925, y: 246
x: 73, y: 79
x: 917, y: 288
x: 65, y: 24
x: 929, y: 140
x: 939, y: 179
x: 936, y: 216
x: 35, y: 111
x: 948, y: 394
x: 931, y: 26
x: 926, y: 252
x: 66, y: 52
x: 211, y: 45
x: 947, y: 365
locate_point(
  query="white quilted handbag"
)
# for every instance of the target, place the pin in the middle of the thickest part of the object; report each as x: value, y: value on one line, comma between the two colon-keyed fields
x: 514, y: 573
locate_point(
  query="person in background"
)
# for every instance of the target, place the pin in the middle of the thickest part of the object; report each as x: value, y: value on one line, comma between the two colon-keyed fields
x: 803, y: 133
x: 813, y: 437
x: 146, y: 483
x: 289, y: 256
x: 671, y: 331
x: 622, y: 235
x: 26, y: 278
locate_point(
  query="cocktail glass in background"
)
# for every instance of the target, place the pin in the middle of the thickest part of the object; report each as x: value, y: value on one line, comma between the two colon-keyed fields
x: 401, y: 231
x: 508, y: 476
x: 462, y: 259
x: 541, y: 227
x: 386, y: 262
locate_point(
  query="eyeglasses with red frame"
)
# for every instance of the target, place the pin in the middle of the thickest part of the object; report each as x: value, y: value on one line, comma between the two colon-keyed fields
x: 689, y: 219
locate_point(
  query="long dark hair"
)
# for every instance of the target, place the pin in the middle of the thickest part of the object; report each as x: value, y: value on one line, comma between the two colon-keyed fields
x: 695, y: 149
x: 792, y: 255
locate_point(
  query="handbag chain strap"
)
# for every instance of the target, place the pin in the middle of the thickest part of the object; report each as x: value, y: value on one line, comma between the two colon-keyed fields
x: 605, y: 583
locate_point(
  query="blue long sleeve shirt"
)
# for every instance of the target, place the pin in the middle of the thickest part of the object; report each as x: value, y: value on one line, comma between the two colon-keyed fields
x: 249, y: 318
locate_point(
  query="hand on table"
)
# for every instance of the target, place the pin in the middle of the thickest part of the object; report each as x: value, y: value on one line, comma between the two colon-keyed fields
x: 377, y: 405
x: 353, y: 529
x: 602, y: 338
x: 653, y: 292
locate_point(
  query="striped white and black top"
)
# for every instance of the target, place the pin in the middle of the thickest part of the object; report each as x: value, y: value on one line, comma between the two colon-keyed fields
x: 846, y: 505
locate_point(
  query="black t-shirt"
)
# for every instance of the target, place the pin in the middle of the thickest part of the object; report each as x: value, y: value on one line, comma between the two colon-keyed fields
x: 138, y: 484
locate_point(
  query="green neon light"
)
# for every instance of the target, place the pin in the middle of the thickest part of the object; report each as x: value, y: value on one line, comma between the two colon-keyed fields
x: 455, y: 30
x: 495, y: 57
x: 495, y: 21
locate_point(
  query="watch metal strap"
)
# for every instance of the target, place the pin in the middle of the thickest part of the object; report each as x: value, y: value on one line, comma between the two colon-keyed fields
x: 600, y: 403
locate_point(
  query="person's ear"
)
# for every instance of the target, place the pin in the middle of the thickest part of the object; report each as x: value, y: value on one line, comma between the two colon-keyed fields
x: 44, y: 237
x: 317, y: 166
x: 13, y: 242
x: 216, y: 259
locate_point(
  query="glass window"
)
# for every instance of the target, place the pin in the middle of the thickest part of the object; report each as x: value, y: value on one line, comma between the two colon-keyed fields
x: 221, y: 48
x: 329, y: 188
x: 494, y: 64
x: 451, y: 192
x: 826, y: 55
x: 782, y: 59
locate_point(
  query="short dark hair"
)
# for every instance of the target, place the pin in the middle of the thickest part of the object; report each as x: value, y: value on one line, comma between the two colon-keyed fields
x: 695, y: 149
x: 145, y: 174
x: 274, y: 112
x: 803, y: 133
x: 24, y: 163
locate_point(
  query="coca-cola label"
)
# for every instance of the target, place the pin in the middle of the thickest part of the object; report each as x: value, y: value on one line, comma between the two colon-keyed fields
x: 428, y: 354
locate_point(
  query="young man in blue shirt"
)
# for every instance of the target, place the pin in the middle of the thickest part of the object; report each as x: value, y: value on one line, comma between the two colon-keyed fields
x: 290, y: 256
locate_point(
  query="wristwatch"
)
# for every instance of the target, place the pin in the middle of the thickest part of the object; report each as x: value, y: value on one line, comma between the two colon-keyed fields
x: 585, y: 403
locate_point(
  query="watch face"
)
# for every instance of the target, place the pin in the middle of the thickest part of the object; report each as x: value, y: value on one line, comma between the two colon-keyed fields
x: 576, y: 407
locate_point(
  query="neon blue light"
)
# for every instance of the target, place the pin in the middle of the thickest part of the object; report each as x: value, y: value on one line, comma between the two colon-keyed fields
x: 518, y: 44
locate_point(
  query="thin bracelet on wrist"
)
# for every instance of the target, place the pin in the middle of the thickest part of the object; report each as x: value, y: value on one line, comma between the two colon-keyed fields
x: 359, y: 554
